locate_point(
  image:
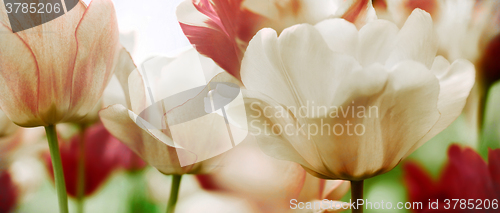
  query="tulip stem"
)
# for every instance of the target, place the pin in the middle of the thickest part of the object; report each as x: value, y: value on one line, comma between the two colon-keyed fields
x: 174, y: 193
x: 80, y: 190
x: 357, y: 195
x: 55, y: 156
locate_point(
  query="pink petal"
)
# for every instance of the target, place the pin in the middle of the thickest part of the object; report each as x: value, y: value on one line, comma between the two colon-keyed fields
x: 360, y: 12
x: 18, y: 80
x: 98, y: 50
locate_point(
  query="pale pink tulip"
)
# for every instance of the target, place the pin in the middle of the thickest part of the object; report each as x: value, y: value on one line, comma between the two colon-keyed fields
x: 56, y: 72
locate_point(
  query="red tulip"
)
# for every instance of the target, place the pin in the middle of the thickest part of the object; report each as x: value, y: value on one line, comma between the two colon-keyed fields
x: 465, y: 176
x: 104, y: 154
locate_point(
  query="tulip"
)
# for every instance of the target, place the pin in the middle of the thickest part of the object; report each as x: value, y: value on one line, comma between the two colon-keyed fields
x: 349, y: 105
x: 57, y: 71
x: 156, y: 148
x: 194, y: 142
x: 466, y: 29
x: 465, y: 176
x: 104, y: 154
x: 221, y: 29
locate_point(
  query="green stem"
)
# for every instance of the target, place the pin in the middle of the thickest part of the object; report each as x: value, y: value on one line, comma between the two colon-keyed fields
x: 357, y: 193
x: 57, y: 167
x: 174, y: 193
x: 80, y: 190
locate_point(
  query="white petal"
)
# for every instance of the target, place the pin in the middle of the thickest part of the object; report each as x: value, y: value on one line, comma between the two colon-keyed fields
x: 456, y: 83
x: 340, y: 35
x: 117, y: 121
x: 376, y: 41
x: 415, y: 41
x: 394, y: 120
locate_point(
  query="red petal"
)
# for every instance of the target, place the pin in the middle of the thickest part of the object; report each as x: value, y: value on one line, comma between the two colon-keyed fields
x: 225, y: 34
x: 419, y: 183
x: 216, y: 45
x: 466, y: 175
x: 8, y: 193
x: 207, y: 182
x: 355, y: 11
x: 494, y: 168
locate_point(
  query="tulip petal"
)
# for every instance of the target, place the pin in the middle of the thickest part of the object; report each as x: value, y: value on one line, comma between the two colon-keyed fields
x: 418, y: 182
x: 376, y: 41
x: 214, y: 135
x: 123, y: 69
x: 456, y: 82
x: 9, y: 192
x: 6, y: 126
x: 117, y: 120
x: 4, y: 18
x: 361, y: 142
x: 335, y: 189
x: 98, y: 50
x: 415, y: 41
x: 360, y: 13
x: 18, y: 80
x: 466, y: 174
x: 283, y: 14
x: 494, y: 167
x: 276, y: 145
x: 345, y: 42
x: 279, y: 67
